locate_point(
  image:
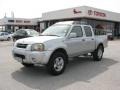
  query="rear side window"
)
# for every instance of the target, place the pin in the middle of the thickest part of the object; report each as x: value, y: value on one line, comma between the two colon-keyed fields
x: 6, y: 33
x: 21, y: 32
x: 88, y: 31
x: 77, y: 30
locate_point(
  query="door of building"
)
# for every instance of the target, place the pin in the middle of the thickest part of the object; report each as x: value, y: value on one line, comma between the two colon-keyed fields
x: 117, y: 30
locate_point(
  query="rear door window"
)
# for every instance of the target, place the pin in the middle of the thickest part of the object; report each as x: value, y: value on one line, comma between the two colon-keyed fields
x: 88, y: 31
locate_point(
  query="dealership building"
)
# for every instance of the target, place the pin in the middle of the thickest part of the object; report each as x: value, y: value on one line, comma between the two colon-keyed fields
x: 13, y: 24
x: 97, y: 18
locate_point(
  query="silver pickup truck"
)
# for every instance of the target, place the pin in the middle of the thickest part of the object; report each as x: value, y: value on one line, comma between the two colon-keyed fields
x: 57, y: 44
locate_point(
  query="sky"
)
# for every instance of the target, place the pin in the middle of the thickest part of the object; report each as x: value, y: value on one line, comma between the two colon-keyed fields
x: 35, y: 8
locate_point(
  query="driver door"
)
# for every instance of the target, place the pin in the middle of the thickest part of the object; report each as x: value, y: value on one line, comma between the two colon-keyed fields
x: 75, y: 45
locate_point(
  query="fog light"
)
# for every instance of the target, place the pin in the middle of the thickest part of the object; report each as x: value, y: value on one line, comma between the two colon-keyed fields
x: 34, y: 59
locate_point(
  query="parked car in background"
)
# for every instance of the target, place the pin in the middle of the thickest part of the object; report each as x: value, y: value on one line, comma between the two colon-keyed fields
x: 24, y: 33
x: 5, y: 36
x: 110, y: 36
x: 9, y: 31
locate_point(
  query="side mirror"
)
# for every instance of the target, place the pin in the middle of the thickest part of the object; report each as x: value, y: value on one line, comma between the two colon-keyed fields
x: 72, y: 35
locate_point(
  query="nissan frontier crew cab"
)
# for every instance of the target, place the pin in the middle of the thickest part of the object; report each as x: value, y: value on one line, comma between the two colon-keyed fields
x: 57, y: 44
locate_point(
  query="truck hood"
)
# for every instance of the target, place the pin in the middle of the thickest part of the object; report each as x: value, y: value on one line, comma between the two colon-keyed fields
x: 38, y: 39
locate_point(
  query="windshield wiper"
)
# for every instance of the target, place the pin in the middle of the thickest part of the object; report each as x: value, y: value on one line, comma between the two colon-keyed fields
x: 50, y: 35
x: 54, y: 35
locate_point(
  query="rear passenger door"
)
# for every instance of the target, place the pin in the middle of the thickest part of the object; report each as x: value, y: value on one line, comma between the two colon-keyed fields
x: 89, y: 39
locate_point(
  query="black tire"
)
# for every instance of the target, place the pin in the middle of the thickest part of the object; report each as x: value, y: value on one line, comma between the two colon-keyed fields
x: 98, y: 53
x: 55, y: 68
x: 27, y: 65
x: 8, y: 39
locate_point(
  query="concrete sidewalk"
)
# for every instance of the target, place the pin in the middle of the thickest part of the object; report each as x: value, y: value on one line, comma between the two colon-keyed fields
x: 6, y: 43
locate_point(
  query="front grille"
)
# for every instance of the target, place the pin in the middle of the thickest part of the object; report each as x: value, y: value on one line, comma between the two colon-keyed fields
x: 19, y: 45
x: 19, y: 55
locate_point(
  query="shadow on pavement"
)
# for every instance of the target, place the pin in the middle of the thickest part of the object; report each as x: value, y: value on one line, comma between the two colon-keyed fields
x: 81, y: 69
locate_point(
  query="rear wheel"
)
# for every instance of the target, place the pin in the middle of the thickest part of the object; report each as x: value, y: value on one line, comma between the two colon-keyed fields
x: 98, y: 53
x: 57, y: 63
x: 8, y: 39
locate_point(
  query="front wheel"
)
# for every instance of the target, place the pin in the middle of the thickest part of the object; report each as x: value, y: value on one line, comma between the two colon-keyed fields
x: 98, y: 53
x: 57, y: 63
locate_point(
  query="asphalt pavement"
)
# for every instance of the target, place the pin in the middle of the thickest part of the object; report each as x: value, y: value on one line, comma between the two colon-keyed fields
x: 80, y: 74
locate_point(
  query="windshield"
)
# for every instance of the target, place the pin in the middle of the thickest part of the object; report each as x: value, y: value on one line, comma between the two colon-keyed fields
x: 29, y: 32
x: 33, y: 33
x: 57, y: 30
x: 20, y: 32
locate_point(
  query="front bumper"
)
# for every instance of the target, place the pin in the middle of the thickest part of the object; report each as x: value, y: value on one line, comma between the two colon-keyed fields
x: 31, y: 57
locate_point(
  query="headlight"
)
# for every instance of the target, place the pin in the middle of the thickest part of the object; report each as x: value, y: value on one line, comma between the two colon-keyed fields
x: 37, y: 47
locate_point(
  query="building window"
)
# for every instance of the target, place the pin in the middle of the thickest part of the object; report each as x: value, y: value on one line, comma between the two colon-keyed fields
x: 11, y: 21
x: 100, y: 30
x: 26, y: 21
x: 101, y: 27
x: 18, y: 21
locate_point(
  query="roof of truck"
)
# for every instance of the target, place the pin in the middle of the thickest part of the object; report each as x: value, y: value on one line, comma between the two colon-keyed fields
x: 71, y: 23
x: 68, y: 22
